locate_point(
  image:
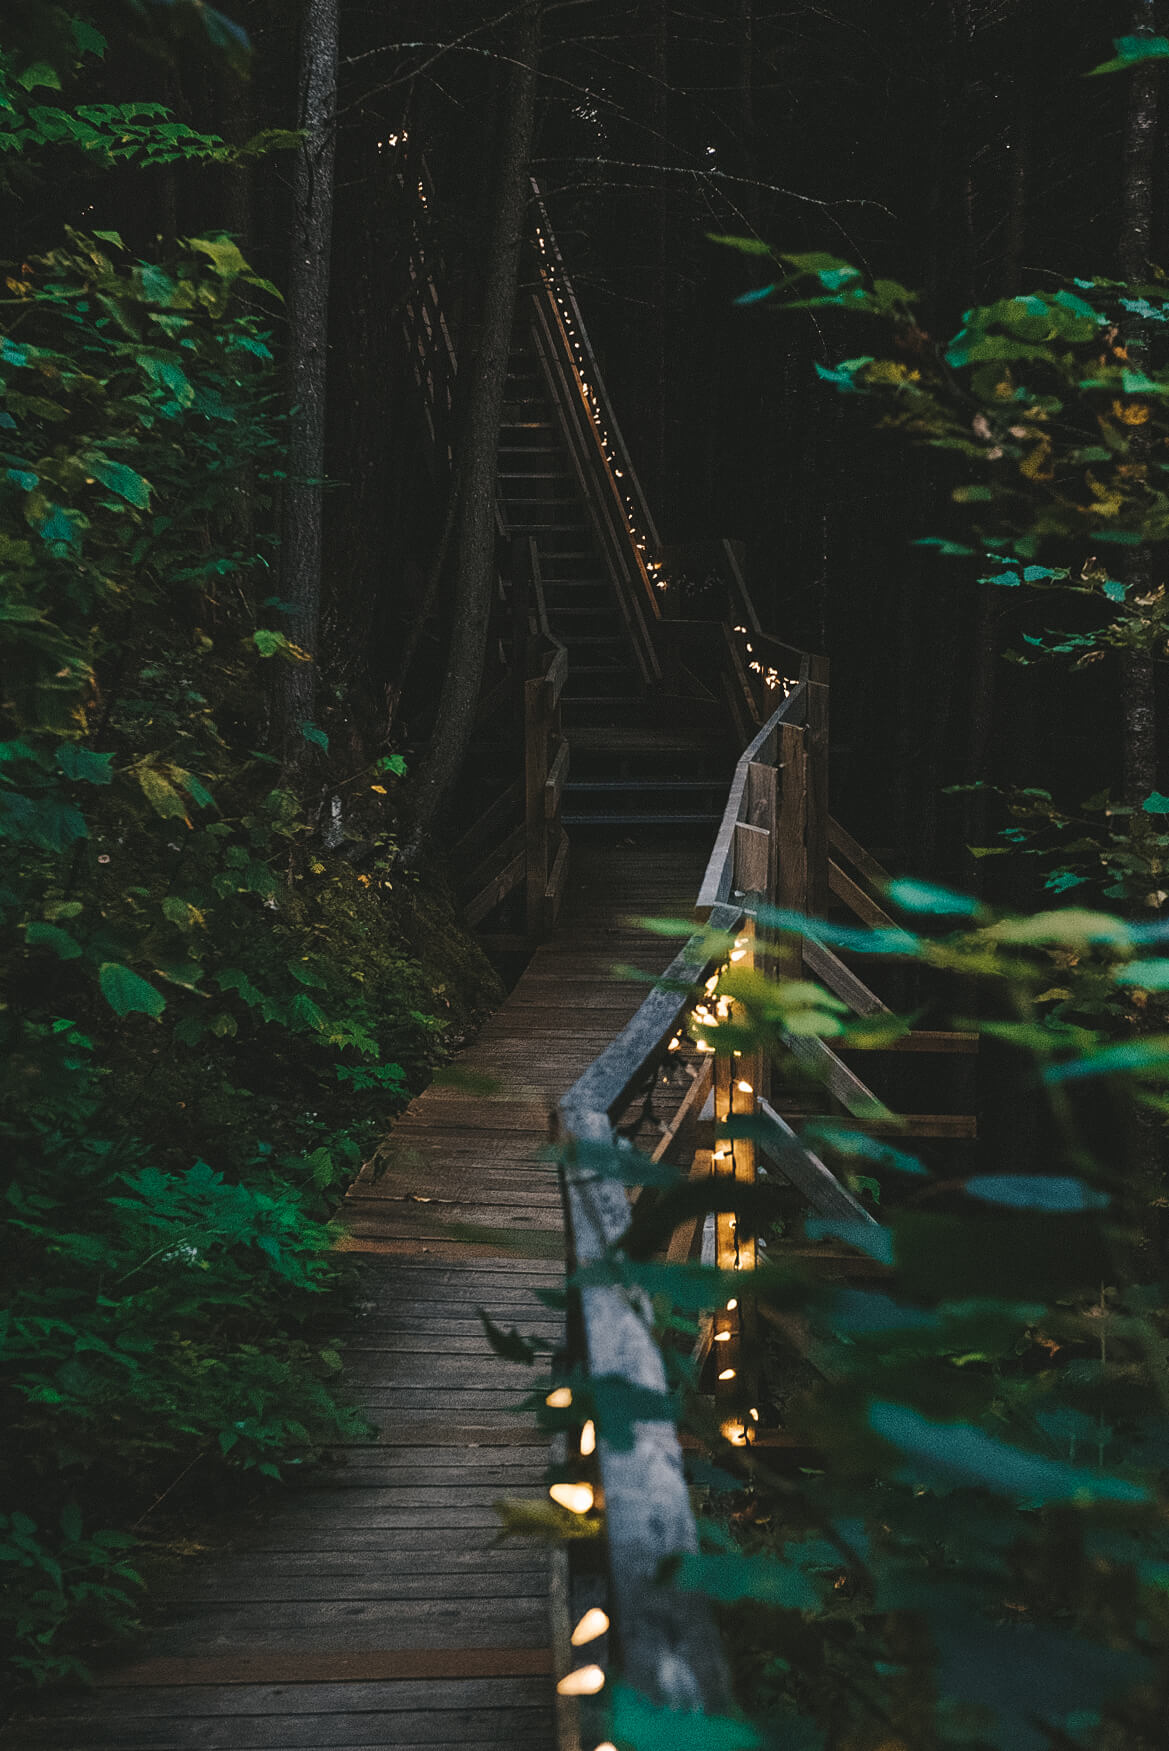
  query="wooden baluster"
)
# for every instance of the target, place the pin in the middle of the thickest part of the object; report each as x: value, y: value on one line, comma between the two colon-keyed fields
x: 817, y: 787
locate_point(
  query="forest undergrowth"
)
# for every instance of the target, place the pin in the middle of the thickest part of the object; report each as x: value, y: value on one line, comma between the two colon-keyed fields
x: 208, y: 1018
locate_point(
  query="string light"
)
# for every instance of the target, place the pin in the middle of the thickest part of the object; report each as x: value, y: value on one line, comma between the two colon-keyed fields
x: 592, y: 1624
x: 727, y: 1374
x: 737, y: 954
x: 588, y: 1439
x: 744, y: 1087
x: 560, y: 1399
x: 722, y: 1337
x: 576, y: 1497
x: 585, y: 1681
x: 732, y: 1303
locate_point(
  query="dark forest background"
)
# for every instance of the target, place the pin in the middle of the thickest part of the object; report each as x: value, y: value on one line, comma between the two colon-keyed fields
x: 957, y: 145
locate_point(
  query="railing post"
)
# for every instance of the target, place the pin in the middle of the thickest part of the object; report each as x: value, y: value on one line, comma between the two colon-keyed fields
x: 536, y: 742
x: 817, y: 787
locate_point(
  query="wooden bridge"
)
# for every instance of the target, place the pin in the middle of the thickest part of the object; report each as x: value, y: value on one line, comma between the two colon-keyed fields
x: 645, y: 750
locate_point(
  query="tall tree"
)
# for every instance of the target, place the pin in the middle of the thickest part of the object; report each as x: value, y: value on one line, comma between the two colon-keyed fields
x: 1138, y: 691
x: 476, y: 466
x: 308, y: 311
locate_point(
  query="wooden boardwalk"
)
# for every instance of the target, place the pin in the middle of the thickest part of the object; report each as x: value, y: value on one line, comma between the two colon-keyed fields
x: 369, y: 1605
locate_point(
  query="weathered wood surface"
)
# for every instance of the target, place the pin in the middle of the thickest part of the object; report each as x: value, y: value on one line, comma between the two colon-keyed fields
x: 368, y: 1605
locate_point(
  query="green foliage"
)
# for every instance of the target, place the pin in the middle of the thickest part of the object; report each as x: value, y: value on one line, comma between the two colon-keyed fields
x: 207, y: 1018
x: 977, y: 1555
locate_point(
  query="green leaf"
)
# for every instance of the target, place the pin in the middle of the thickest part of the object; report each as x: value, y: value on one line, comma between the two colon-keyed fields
x: 960, y: 1454
x: 867, y: 1237
x: 745, y: 245
x: 1150, y: 975
x: 394, y: 763
x: 640, y: 1725
x: 1025, y: 1191
x: 127, y: 993
x: 729, y: 1577
x: 913, y: 896
x: 1131, y: 1058
x: 161, y: 794
x: 304, y: 1010
x: 49, y: 936
x: 312, y: 734
x: 83, y: 766
x: 1156, y: 804
x: 948, y: 549
x: 1131, y: 51
x: 124, y: 481
x: 41, y: 73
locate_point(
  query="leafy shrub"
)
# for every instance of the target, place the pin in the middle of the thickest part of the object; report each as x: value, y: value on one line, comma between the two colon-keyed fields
x: 207, y: 1016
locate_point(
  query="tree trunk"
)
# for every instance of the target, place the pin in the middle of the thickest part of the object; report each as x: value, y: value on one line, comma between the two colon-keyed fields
x: 1138, y: 712
x: 308, y: 313
x: 477, y: 464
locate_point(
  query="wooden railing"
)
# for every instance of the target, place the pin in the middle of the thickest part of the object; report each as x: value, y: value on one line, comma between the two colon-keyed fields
x: 776, y: 845
x: 517, y: 844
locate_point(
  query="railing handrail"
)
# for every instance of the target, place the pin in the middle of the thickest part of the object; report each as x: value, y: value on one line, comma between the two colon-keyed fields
x: 554, y: 262
x: 717, y: 882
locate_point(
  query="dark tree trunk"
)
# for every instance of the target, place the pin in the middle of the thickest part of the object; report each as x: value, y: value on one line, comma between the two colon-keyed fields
x: 477, y: 464
x: 308, y: 314
x: 1138, y: 713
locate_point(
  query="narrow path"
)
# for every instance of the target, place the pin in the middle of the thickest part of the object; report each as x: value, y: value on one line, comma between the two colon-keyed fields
x: 369, y: 1606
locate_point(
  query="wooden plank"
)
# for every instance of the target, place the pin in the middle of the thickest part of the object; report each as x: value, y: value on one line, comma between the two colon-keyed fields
x: 842, y: 1083
x: 554, y: 892
x: 506, y: 805
x: 841, y: 980
x: 751, y: 859
x: 693, y: 1099
x: 854, y: 852
x: 412, y: 1731
x: 806, y: 1171
x: 555, y: 675
x: 373, y: 1665
x: 496, y: 890
x: 856, y: 899
x: 941, y: 1040
x: 717, y: 881
x: 955, y: 1126
x: 554, y: 783
x: 816, y: 718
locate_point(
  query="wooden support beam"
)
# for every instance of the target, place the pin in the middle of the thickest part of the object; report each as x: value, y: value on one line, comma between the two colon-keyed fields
x: 922, y: 1040
x: 852, y: 851
x: 857, y: 900
x: 817, y: 806
x: 554, y: 783
x: 841, y: 980
x: 488, y: 898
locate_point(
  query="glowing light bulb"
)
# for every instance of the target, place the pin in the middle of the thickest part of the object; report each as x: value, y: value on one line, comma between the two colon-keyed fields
x: 585, y: 1681
x: 737, y: 954
x: 744, y: 1087
x: 588, y: 1438
x: 675, y: 1044
x: 703, y: 1047
x: 722, y: 1337
x: 732, y: 1303
x: 754, y: 1414
x: 722, y: 1154
x: 560, y: 1399
x: 727, y: 1374
x: 576, y: 1497
x: 592, y: 1624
